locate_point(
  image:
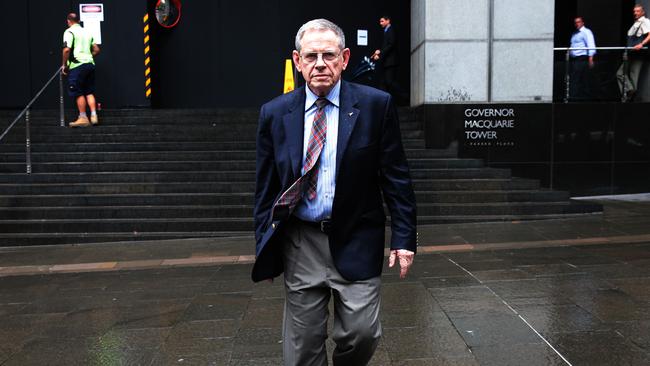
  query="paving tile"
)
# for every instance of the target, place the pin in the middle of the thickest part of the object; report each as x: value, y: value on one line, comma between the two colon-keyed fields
x: 48, y: 351
x: 254, y: 343
x: 613, y: 305
x: 488, y: 329
x: 424, y: 342
x: 637, y: 288
x: 637, y: 331
x: 182, y: 358
x: 534, y: 354
x: 217, y: 306
x: 264, y: 313
x: 502, y: 275
x: 452, y: 281
x: 560, y: 318
x: 551, y: 269
x: 152, y: 315
x: 469, y: 300
x: 438, y: 361
x: 598, y: 348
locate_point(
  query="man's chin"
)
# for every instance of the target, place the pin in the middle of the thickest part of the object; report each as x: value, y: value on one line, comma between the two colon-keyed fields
x: 320, y: 88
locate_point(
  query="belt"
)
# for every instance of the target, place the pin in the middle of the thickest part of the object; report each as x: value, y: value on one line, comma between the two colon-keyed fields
x: 325, y: 226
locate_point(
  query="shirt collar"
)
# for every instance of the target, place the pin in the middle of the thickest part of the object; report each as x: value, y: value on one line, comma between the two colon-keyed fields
x: 386, y: 29
x: 333, y: 96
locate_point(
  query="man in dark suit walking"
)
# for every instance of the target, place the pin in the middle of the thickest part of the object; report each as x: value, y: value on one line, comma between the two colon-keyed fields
x: 388, y: 57
x: 326, y: 155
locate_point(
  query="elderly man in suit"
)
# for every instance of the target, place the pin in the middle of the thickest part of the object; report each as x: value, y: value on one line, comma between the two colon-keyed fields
x: 326, y: 155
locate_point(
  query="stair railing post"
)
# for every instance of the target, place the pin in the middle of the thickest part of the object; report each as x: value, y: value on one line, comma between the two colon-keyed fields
x: 28, y: 145
x: 626, y: 70
x: 567, y: 80
x: 61, y: 114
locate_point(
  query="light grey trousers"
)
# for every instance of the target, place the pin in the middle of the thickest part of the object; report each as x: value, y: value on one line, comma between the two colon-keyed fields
x: 631, y: 79
x: 310, y: 280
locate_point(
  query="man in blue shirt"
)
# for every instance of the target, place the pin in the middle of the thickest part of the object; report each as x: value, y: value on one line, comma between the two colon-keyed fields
x: 581, y: 61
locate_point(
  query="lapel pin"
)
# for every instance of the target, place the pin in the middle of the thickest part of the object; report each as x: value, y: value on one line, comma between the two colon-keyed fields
x: 350, y: 114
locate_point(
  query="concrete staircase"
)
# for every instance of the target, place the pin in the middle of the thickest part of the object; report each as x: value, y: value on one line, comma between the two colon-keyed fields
x: 164, y: 174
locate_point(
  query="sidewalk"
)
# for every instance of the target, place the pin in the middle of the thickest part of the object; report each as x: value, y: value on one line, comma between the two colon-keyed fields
x: 574, y: 291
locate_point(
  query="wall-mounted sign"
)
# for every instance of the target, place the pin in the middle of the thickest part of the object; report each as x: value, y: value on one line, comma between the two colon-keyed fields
x: 362, y: 37
x: 91, y: 15
x: 489, y: 126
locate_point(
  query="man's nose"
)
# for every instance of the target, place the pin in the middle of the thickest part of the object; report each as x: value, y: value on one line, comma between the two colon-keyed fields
x: 320, y: 62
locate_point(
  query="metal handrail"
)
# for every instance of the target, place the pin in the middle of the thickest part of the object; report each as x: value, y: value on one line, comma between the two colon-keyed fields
x: 567, y: 79
x: 25, y: 112
x: 593, y: 48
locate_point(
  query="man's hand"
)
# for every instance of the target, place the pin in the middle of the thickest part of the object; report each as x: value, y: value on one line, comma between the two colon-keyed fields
x: 591, y: 62
x: 375, y: 56
x: 638, y: 46
x: 405, y: 260
x: 64, y: 70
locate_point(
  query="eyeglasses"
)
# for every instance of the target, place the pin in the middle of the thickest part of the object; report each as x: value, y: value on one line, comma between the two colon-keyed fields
x: 312, y: 57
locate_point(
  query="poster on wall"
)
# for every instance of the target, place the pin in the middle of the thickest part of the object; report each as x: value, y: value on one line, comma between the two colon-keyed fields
x: 91, y: 15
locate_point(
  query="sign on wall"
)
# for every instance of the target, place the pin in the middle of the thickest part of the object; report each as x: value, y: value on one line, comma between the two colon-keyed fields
x: 91, y: 15
x: 489, y: 126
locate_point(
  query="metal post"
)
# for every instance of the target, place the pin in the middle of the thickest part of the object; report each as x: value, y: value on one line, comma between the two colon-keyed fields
x: 626, y: 70
x: 61, y: 113
x: 28, y: 144
x: 567, y: 81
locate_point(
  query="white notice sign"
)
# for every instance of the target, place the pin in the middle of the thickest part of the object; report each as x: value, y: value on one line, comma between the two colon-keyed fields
x: 91, y: 15
x: 362, y: 37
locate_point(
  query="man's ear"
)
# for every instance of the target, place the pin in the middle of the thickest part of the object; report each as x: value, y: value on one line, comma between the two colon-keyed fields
x: 296, y: 60
x: 346, y: 57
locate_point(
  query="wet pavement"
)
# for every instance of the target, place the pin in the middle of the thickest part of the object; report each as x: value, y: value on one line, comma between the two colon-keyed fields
x: 561, y: 292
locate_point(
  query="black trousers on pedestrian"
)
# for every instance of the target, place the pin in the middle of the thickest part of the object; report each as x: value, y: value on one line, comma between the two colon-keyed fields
x: 580, y: 87
x: 390, y: 85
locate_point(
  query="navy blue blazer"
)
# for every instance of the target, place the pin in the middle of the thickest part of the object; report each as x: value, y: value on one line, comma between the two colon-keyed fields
x: 370, y: 163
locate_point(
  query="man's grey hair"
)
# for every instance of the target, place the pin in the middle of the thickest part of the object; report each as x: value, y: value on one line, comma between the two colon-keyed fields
x: 639, y: 6
x: 321, y: 25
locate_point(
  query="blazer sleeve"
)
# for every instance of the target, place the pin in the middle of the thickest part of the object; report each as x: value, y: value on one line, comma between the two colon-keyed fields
x: 266, y: 178
x: 396, y: 183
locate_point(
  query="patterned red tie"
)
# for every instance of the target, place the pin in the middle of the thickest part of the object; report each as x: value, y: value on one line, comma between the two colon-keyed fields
x: 309, y: 180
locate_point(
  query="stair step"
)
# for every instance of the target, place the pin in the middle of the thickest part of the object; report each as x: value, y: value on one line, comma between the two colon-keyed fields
x: 52, y: 157
x: 171, y: 199
x: 216, y: 176
x: 474, y: 184
x: 246, y: 211
x: 125, y: 177
x: 91, y: 226
x: 182, y: 155
x: 121, y: 146
x: 463, y: 185
x: 131, y: 166
x: 465, y: 173
x: 490, y: 196
x: 48, y: 238
x: 89, y: 200
x: 127, y: 188
x: 433, y: 220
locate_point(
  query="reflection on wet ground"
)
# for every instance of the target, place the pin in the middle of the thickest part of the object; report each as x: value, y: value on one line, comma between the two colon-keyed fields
x: 554, y: 305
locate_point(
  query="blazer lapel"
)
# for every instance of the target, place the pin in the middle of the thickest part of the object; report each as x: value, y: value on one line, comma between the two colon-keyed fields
x: 347, y: 119
x: 294, y: 124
